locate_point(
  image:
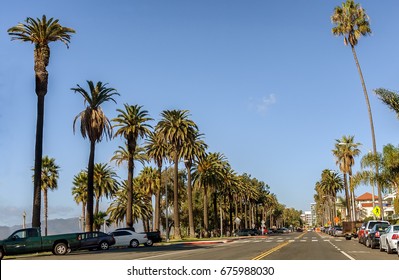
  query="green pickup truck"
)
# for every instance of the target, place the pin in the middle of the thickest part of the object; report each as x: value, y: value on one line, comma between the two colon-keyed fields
x: 29, y: 240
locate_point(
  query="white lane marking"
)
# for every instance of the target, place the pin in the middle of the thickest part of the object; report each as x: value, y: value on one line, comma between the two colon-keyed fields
x: 349, y: 257
x: 344, y: 253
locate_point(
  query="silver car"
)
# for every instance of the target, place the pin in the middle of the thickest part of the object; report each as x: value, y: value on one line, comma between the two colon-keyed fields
x: 389, y: 239
x: 339, y: 232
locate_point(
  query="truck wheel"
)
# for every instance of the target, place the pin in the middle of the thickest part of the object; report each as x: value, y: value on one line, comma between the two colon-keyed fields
x: 1, y: 253
x: 149, y: 243
x: 60, y: 249
x: 103, y: 245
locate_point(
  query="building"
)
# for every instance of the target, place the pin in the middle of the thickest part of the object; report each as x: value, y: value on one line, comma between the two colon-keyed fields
x: 308, y: 218
x: 365, y: 205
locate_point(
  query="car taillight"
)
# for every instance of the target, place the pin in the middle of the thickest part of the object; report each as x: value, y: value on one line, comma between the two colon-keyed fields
x: 395, y: 236
x: 145, y: 235
x: 377, y: 234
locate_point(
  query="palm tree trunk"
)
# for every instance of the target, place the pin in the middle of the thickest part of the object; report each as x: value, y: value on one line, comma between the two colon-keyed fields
x: 230, y: 213
x: 38, y: 160
x: 90, y: 188
x: 215, y: 211
x: 97, y: 208
x: 158, y: 200
x: 41, y: 58
x: 190, y: 203
x: 83, y: 216
x: 129, y: 200
x: 176, y: 213
x: 371, y: 127
x: 45, y: 210
x: 347, y: 198
x: 245, y: 215
x: 206, y: 222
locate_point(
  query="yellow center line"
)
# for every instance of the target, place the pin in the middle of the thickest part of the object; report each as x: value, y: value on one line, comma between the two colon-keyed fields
x: 274, y: 249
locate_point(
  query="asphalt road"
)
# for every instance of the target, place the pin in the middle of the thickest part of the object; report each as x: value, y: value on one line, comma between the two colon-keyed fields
x: 291, y: 246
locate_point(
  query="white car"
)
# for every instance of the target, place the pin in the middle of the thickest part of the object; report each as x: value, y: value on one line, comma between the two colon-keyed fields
x: 389, y: 239
x: 124, y: 237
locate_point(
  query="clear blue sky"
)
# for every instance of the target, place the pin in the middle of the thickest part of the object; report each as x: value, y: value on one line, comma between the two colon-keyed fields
x: 267, y: 83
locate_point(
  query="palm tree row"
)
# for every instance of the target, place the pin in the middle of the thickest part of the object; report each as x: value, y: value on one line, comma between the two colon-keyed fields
x: 174, y: 138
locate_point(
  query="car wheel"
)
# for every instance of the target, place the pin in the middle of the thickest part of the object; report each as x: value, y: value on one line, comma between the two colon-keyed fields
x: 149, y: 243
x: 60, y: 249
x: 134, y: 243
x: 103, y: 245
x: 1, y: 254
x: 368, y: 243
x: 372, y: 244
x: 389, y: 250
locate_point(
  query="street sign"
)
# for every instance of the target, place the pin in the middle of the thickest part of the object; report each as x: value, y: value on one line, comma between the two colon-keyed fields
x: 237, y: 220
x: 377, y: 211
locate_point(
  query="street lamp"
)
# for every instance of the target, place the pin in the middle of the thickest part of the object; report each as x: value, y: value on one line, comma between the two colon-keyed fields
x: 24, y: 219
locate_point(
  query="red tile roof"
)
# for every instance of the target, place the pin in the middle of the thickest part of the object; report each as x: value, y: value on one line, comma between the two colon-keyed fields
x: 366, y: 197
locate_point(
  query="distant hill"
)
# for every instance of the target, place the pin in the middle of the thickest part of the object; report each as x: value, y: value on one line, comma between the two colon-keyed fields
x: 58, y: 226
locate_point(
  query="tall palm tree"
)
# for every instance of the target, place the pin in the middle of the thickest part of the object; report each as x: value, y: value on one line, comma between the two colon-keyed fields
x: 49, y: 177
x: 105, y: 183
x: 40, y: 32
x: 148, y: 181
x: 331, y: 183
x: 94, y: 124
x: 132, y: 125
x: 192, y: 150
x: 79, y: 192
x: 176, y: 127
x: 208, y: 174
x: 157, y: 149
x: 352, y: 22
x: 345, y: 152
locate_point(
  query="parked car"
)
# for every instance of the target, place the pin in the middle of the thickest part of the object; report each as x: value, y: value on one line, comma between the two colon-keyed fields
x: 247, y: 232
x: 365, y: 229
x: 339, y: 232
x: 153, y: 236
x: 129, y: 238
x: 283, y: 230
x: 389, y: 239
x: 95, y: 240
x: 373, y: 238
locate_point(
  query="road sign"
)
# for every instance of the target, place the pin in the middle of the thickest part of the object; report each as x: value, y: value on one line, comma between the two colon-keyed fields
x: 377, y: 211
x: 237, y: 220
